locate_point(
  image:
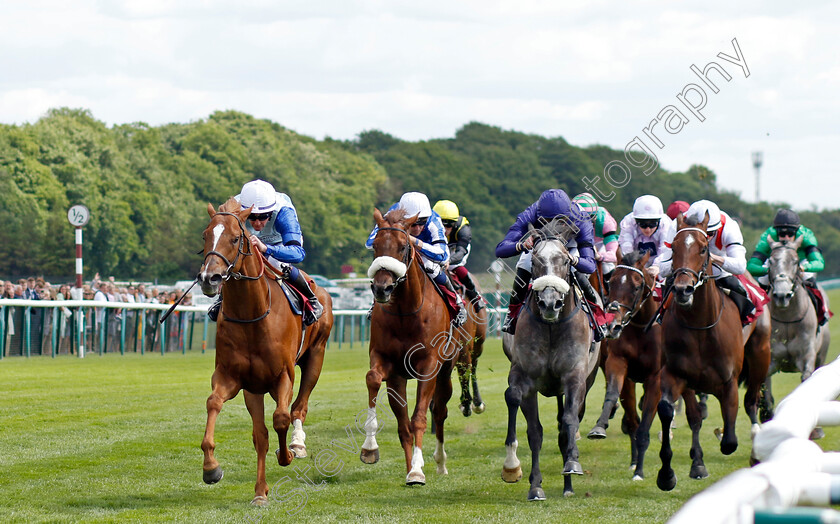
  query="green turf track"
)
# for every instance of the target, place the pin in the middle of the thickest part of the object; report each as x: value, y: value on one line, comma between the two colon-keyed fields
x: 116, y: 438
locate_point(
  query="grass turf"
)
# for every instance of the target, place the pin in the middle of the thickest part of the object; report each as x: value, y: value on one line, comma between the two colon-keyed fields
x: 116, y: 438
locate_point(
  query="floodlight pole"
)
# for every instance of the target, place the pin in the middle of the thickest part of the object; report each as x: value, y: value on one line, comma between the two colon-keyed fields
x: 757, y: 161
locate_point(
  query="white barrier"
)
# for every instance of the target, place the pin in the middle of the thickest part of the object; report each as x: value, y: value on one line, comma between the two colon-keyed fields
x: 793, y: 470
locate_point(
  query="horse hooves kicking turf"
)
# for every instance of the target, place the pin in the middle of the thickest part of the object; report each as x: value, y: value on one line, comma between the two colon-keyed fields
x: 214, y: 475
x: 415, y: 478
x: 597, y: 433
x: 512, y: 475
x: 260, y: 500
x: 369, y: 456
x: 536, y: 494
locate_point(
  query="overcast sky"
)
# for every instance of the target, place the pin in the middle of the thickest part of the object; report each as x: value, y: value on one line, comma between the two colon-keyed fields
x: 591, y: 72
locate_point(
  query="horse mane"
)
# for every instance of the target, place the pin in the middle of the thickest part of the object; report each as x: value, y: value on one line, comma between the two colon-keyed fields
x: 692, y: 221
x: 631, y: 258
x: 394, y: 216
x: 231, y: 206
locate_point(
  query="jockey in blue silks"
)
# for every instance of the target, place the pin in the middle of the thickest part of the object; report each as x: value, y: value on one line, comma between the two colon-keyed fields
x: 553, y: 203
x: 429, y: 239
x: 275, y: 231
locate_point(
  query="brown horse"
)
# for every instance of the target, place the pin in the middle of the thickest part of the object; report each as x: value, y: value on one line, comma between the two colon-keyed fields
x: 258, y: 342
x: 476, y: 329
x: 706, y: 350
x: 410, y: 337
x: 634, y: 356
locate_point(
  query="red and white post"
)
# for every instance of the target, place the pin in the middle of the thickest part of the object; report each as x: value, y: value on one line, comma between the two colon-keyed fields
x: 79, y: 264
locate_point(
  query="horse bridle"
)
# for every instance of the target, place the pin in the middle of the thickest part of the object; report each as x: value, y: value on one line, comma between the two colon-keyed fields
x: 638, y: 298
x: 407, y: 257
x: 700, y: 277
x: 236, y: 275
x: 795, y: 280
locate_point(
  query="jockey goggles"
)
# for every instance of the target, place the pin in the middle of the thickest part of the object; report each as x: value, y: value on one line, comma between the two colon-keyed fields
x: 261, y: 216
x: 449, y: 223
x: 649, y: 223
x: 421, y: 222
x: 786, y: 231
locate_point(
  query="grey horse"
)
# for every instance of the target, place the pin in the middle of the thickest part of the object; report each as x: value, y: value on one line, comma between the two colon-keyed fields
x: 795, y: 343
x: 552, y: 353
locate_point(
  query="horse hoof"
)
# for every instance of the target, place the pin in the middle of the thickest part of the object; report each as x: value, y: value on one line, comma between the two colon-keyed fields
x: 415, y: 478
x: 512, y: 475
x: 573, y: 467
x: 698, y: 472
x: 666, y: 480
x: 569, y: 493
x: 260, y: 500
x: 479, y: 408
x: 719, y: 434
x: 728, y: 448
x: 637, y: 478
x: 214, y: 475
x: 369, y: 456
x: 754, y: 461
x: 299, y: 452
x: 817, y: 434
x: 289, y: 457
x: 465, y: 409
x: 536, y: 494
x: 597, y: 433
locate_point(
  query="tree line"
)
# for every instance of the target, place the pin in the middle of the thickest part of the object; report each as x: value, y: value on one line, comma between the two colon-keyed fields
x: 148, y: 188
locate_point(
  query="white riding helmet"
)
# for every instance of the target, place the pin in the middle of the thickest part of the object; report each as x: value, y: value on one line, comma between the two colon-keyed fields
x: 416, y: 204
x: 697, y: 211
x: 261, y: 195
x: 647, y: 206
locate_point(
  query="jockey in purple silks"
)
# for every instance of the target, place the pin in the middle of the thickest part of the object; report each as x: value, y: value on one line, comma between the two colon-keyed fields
x: 552, y: 204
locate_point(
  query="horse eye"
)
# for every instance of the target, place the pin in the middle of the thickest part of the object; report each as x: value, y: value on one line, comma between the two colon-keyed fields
x: 235, y: 240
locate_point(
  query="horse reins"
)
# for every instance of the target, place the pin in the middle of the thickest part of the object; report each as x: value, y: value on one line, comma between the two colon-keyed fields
x: 638, y: 298
x: 407, y: 259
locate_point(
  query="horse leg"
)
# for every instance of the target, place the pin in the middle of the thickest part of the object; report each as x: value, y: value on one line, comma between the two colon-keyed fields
x: 519, y: 384
x: 729, y: 410
x: 310, y: 364
x: 615, y: 369
x: 630, y: 419
x: 399, y: 406
x: 757, y: 362
x: 464, y: 367
x: 478, y: 404
x: 530, y: 409
x: 568, y: 421
x: 425, y: 390
x: 666, y: 480
x: 694, y: 416
x: 224, y: 389
x: 256, y: 407
x: 642, y: 434
x: 370, y: 449
x: 768, y: 403
x: 443, y: 392
x: 282, y: 418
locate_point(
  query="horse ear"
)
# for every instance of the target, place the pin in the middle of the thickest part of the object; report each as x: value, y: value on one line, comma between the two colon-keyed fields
x: 210, y: 210
x: 377, y: 216
x: 773, y: 245
x: 243, y: 215
x: 644, y: 260
x: 406, y: 222
x: 680, y: 221
x: 705, y: 220
x: 618, y: 255
x: 798, y: 242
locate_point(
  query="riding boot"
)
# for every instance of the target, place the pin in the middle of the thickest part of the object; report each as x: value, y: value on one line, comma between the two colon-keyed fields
x: 215, y: 307
x: 474, y: 297
x: 461, y: 317
x: 311, y: 315
x: 732, y: 287
x: 810, y: 285
x: 517, y: 297
x: 592, y: 297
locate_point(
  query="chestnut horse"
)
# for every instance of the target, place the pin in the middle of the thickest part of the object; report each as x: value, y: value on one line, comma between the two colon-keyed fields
x: 410, y: 337
x: 258, y: 342
x: 634, y: 355
x: 706, y: 350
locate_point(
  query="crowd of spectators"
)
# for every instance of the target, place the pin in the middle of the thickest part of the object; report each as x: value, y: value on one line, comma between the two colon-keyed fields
x: 103, y: 327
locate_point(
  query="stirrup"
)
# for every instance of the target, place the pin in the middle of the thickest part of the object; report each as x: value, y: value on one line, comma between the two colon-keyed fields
x: 509, y: 326
x: 478, y: 303
x: 310, y: 316
x: 461, y: 317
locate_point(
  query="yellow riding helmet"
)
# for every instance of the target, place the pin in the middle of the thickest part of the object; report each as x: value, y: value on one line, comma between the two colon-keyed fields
x: 447, y: 210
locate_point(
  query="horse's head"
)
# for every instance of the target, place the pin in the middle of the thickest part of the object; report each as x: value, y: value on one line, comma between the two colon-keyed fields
x: 392, y: 253
x: 225, y: 243
x: 630, y: 286
x: 783, y: 270
x: 550, y: 267
x: 690, y: 258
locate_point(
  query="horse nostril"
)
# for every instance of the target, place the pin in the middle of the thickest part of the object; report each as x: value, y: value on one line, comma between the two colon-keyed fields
x: 389, y: 288
x: 216, y: 280
x: 558, y: 305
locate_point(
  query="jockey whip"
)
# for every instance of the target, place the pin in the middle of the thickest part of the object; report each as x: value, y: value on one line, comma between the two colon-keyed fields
x: 177, y: 302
